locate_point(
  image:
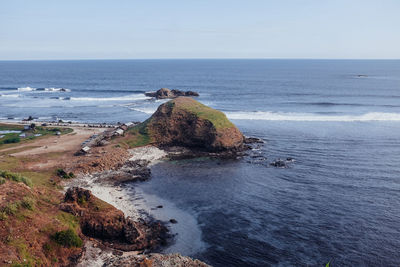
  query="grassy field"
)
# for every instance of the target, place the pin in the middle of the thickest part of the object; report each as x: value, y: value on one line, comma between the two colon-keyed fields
x: 14, y: 138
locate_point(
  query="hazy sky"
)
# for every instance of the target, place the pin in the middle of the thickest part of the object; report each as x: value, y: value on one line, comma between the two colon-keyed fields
x: 91, y: 29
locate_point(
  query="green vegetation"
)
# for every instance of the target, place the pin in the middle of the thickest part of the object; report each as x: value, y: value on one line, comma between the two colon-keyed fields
x: 216, y: 117
x: 23, y: 252
x: 10, y: 208
x: 68, y: 220
x: 13, y: 138
x: 16, y: 177
x: 10, y: 127
x: 140, y: 136
x: 10, y: 139
x: 3, y: 216
x: 28, y: 203
x: 68, y: 238
x: 2, y: 180
x: 63, y: 174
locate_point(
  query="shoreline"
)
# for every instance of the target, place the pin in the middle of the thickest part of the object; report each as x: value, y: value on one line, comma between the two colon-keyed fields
x: 135, y: 204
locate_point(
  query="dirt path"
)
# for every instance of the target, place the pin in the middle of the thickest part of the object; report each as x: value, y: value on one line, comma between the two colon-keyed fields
x: 63, y: 143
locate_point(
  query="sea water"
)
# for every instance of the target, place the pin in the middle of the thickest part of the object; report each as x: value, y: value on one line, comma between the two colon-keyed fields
x: 338, y: 202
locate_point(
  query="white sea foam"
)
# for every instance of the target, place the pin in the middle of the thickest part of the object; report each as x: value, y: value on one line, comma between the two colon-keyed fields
x: 53, y: 89
x: 145, y: 110
x: 119, y: 98
x: 281, y: 116
x: 26, y: 89
x: 10, y: 96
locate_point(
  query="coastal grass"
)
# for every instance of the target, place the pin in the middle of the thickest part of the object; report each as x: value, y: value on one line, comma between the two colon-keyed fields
x: 16, y: 177
x: 22, y: 248
x: 11, y: 139
x: 216, y: 117
x: 68, y: 220
x: 10, y: 127
x: 138, y: 136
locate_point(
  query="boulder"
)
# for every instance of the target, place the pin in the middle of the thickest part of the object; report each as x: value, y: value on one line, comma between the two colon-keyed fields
x: 164, y: 93
x: 186, y: 122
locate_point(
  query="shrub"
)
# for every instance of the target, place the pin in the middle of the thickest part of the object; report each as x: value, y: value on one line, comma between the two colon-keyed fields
x: 12, y: 140
x: 3, y: 216
x: 2, y: 180
x: 16, y: 177
x: 11, y: 209
x: 68, y: 238
x: 63, y: 174
x: 28, y: 203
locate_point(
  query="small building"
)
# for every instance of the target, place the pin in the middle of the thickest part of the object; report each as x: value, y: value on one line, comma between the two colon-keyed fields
x: 119, y: 131
x: 129, y: 124
x: 85, y: 149
x: 27, y: 127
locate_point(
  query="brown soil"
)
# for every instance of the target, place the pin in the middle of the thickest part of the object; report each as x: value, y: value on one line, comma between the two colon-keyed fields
x: 25, y: 237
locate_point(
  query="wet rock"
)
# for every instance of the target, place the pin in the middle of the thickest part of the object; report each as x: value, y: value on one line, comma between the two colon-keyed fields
x: 253, y: 140
x: 279, y: 163
x: 164, y: 93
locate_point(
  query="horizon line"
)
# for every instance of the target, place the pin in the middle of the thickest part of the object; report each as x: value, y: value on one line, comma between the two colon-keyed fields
x: 95, y: 59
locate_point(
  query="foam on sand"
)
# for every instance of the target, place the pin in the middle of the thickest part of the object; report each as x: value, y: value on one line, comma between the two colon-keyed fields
x: 282, y: 116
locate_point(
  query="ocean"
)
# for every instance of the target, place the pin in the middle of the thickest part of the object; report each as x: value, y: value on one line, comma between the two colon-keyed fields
x: 338, y: 202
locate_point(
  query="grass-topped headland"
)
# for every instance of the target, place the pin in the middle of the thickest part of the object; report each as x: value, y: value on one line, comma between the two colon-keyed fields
x: 184, y: 121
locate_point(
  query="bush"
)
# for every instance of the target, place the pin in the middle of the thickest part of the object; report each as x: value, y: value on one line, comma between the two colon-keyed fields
x: 2, y: 180
x: 28, y: 203
x: 12, y: 140
x: 63, y: 174
x: 11, y: 209
x: 68, y: 238
x: 16, y: 177
x: 3, y: 216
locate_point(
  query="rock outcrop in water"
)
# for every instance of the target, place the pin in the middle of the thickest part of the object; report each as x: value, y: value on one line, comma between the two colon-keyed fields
x: 164, y: 93
x: 103, y: 221
x: 185, y: 122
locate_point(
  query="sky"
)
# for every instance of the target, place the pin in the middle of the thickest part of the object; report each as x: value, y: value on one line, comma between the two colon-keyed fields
x: 153, y: 29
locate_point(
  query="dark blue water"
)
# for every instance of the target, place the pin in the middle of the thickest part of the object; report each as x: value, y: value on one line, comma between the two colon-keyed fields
x: 338, y: 202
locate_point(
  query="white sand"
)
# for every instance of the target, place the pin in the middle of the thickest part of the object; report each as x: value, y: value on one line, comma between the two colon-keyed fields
x: 149, y: 153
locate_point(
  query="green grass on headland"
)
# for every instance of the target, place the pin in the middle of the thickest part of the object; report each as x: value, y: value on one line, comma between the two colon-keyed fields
x: 216, y: 117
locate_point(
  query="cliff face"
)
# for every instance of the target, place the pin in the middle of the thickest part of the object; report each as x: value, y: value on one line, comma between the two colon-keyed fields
x: 103, y: 221
x: 186, y: 122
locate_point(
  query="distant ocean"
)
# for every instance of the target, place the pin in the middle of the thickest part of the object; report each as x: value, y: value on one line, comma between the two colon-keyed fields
x: 339, y: 202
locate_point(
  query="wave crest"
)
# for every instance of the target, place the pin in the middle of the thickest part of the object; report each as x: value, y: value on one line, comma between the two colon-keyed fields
x: 281, y: 116
x: 118, y: 98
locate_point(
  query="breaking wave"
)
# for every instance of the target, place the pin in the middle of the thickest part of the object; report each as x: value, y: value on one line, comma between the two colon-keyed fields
x: 10, y: 96
x: 145, y: 110
x: 282, y: 116
x: 26, y: 89
x: 118, y: 98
